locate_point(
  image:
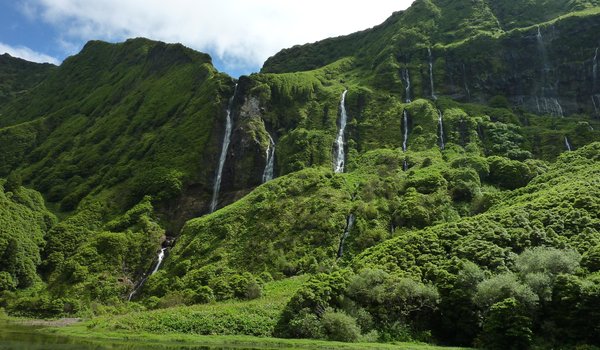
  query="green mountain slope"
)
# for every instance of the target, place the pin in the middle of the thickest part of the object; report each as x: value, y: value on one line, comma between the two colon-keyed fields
x: 121, y: 121
x: 19, y: 76
x: 24, y: 223
x: 465, y: 214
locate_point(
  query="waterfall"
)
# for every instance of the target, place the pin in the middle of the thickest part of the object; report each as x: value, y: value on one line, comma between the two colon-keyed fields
x: 161, y: 256
x: 405, y: 122
x: 433, y: 96
x: 268, y: 172
x: 549, y: 105
x: 226, y: 140
x: 339, y: 156
x: 596, y: 105
x: 595, y: 70
x: 465, y: 81
x: 406, y: 77
x: 349, y: 223
x: 542, y: 48
x: 567, y: 144
x: 136, y: 288
x: 441, y: 125
x: 405, y: 140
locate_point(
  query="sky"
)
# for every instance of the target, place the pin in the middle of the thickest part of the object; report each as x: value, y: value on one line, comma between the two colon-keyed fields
x: 239, y: 34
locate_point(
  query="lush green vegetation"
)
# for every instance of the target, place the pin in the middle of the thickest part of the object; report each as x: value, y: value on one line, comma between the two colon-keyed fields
x: 492, y: 240
x: 18, y: 76
x: 24, y: 222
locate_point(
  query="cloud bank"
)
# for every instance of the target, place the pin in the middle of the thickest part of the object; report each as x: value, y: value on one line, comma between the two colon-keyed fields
x: 240, y: 33
x: 27, y: 54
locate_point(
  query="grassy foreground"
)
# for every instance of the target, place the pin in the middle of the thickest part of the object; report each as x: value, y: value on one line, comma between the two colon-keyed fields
x: 81, y: 330
x: 217, y: 324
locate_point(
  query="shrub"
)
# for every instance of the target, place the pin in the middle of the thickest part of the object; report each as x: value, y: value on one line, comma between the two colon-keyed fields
x: 7, y: 282
x: 510, y: 174
x: 501, y: 287
x: 591, y: 259
x: 506, y: 327
x: 306, y: 325
x: 339, y: 326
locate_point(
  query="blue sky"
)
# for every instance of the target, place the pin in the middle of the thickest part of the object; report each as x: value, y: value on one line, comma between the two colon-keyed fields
x: 238, y: 34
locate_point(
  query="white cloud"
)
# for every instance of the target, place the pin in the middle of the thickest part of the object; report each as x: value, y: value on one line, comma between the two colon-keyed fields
x: 27, y: 54
x: 239, y: 32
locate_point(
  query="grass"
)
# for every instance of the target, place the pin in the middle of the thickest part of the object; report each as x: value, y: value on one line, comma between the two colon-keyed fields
x: 153, y: 326
x: 230, y: 340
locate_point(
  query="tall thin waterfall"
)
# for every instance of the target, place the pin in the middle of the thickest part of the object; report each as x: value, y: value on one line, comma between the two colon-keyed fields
x: 268, y: 172
x: 441, y: 125
x: 349, y: 224
x: 339, y: 156
x: 567, y: 144
x: 545, y: 103
x: 226, y: 141
x: 433, y: 96
x: 464, y: 69
x: 595, y: 70
x: 161, y: 256
x: 405, y: 122
x: 406, y: 77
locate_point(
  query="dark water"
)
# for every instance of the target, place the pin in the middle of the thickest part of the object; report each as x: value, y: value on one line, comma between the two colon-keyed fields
x: 20, y: 337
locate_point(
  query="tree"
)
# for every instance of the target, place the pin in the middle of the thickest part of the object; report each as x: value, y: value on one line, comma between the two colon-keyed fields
x: 506, y: 326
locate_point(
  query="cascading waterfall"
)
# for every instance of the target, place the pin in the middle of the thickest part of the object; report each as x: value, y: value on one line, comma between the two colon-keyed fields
x: 567, y: 144
x: 161, y: 256
x: 546, y: 104
x: 464, y: 69
x: 226, y: 141
x: 136, y: 288
x: 595, y: 95
x: 595, y: 70
x: 406, y: 77
x: 339, y: 156
x: 549, y: 105
x: 433, y: 96
x: 405, y: 122
x: 441, y: 125
x: 349, y: 224
x: 268, y: 172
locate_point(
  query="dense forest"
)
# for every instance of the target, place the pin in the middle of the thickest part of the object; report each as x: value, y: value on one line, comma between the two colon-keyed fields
x: 435, y: 178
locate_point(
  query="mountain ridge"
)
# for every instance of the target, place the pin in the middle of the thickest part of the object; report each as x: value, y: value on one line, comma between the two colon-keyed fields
x: 465, y: 163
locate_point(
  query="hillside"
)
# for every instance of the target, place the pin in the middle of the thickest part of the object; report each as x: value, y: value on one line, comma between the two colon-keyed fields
x: 19, y: 76
x: 433, y: 178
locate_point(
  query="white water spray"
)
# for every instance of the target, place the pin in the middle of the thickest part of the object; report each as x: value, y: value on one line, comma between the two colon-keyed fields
x: 433, y: 96
x: 161, y: 256
x: 136, y: 288
x: 226, y: 141
x: 441, y: 125
x: 405, y: 122
x: 339, y: 156
x: 567, y: 144
x: 268, y: 172
x: 595, y: 70
x: 406, y: 77
x: 349, y: 225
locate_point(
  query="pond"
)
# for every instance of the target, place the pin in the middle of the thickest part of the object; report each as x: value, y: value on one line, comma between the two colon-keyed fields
x: 22, y: 337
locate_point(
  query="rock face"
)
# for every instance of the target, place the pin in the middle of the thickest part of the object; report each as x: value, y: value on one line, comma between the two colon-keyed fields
x: 545, y: 70
x: 545, y: 66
